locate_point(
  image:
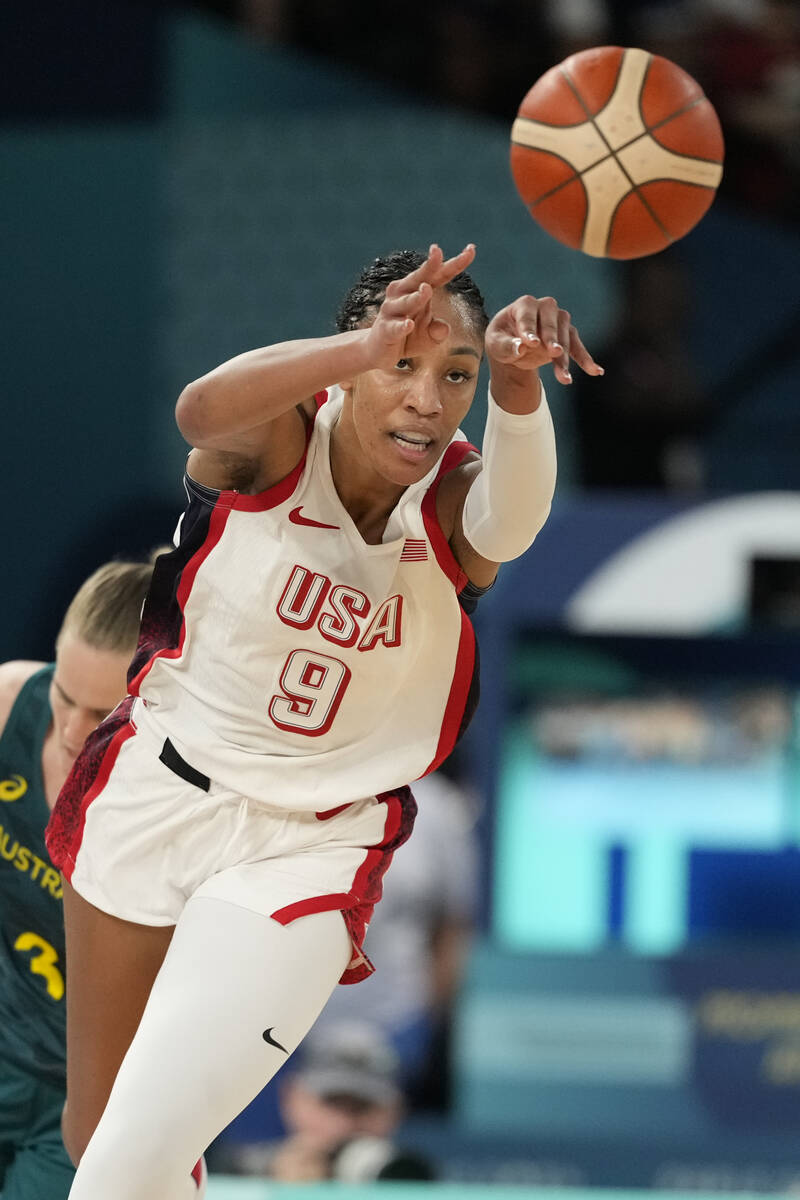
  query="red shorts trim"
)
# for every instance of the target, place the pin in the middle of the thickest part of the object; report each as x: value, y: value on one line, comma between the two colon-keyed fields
x: 89, y: 775
x: 357, y: 905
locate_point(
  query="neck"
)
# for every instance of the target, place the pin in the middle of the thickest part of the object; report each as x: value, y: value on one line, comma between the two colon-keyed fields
x: 368, y: 496
x: 56, y: 766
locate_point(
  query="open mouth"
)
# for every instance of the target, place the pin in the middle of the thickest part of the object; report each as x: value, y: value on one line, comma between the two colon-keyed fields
x: 412, y: 445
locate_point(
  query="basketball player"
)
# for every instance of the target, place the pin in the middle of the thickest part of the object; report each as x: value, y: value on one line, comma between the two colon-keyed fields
x: 46, y: 712
x: 305, y: 651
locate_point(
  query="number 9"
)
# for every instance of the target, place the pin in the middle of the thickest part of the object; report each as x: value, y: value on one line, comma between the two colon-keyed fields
x: 312, y: 687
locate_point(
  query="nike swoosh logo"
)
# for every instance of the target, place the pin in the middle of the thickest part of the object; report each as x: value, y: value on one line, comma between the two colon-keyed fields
x: 296, y: 517
x: 270, y: 1040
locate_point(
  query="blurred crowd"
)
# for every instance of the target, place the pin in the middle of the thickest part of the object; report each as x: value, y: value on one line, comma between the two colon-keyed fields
x: 485, y: 54
x: 647, y: 424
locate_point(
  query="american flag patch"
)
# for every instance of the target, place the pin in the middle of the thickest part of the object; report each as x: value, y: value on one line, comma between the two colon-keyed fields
x: 415, y: 550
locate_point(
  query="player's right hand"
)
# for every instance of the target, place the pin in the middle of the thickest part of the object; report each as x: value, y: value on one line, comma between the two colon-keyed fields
x: 405, y: 324
x: 531, y: 332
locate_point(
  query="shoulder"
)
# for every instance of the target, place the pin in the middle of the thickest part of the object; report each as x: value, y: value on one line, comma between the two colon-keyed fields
x: 450, y: 498
x: 13, y: 675
x: 452, y: 490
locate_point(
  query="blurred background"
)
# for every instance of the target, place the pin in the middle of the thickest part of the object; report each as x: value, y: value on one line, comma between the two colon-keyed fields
x: 601, y: 986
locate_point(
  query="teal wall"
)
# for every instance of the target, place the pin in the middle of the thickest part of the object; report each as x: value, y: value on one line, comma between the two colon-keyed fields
x: 79, y: 247
x: 137, y: 256
x: 283, y: 177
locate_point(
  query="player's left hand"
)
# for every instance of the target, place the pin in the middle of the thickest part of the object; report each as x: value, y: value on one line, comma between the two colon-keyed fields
x: 532, y: 332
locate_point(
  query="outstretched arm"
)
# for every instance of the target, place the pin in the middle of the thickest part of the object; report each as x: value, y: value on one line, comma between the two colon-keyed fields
x: 228, y: 408
x: 507, y: 500
x: 231, y: 408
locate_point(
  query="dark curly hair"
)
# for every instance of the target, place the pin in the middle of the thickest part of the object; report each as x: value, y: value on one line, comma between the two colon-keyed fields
x: 366, y: 295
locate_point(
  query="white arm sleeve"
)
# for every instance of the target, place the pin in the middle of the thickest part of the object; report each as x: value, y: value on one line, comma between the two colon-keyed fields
x: 509, y: 501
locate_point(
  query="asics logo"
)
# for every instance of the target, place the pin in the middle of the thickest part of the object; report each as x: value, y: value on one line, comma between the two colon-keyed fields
x: 13, y: 788
x: 297, y: 518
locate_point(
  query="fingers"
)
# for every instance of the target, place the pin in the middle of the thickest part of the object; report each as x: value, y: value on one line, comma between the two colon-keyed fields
x: 511, y: 349
x: 582, y: 356
x: 436, y: 270
x: 451, y: 267
x: 532, y: 332
x: 402, y: 302
x: 426, y: 329
x: 406, y: 308
x: 547, y: 313
x: 438, y: 330
x: 558, y: 351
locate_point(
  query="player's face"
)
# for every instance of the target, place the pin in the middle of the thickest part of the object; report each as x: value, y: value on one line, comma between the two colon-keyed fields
x: 404, y: 416
x: 87, y: 684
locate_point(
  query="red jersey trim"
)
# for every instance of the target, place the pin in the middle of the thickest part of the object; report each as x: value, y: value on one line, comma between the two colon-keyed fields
x: 216, y: 528
x: 465, y: 655
x: 459, y: 693
x: 454, y: 455
x: 271, y: 497
x: 356, y: 905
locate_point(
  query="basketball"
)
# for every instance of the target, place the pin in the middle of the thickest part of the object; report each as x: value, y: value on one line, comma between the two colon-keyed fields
x: 616, y: 152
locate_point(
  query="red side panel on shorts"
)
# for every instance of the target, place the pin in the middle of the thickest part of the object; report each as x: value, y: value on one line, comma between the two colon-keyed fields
x: 357, y: 905
x: 88, y: 777
x: 332, y: 812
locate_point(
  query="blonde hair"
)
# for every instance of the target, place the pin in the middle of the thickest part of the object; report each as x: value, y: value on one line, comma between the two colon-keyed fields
x: 106, y: 610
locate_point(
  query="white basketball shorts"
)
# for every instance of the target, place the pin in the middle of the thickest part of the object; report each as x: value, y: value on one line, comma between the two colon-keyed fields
x: 137, y: 831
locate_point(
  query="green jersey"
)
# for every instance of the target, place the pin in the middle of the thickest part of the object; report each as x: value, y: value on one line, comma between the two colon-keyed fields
x: 31, y: 921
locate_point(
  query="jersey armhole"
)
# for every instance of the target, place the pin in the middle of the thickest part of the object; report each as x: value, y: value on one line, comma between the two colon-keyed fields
x: 454, y: 455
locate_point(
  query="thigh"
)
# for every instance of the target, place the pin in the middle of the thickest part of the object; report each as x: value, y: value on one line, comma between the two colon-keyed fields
x: 111, y: 966
x: 236, y: 994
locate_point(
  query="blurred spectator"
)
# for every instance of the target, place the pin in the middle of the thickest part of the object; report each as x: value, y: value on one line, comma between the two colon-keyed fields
x: 751, y: 70
x: 341, y: 1109
x: 641, y: 425
x: 418, y: 941
x: 488, y: 53
x: 672, y: 28
x: 267, y: 19
x: 577, y: 25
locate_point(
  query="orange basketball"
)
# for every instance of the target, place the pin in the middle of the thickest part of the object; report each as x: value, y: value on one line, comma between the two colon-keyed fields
x: 616, y: 152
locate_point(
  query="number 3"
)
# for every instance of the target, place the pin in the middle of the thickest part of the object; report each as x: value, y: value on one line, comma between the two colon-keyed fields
x: 312, y: 687
x: 43, y: 963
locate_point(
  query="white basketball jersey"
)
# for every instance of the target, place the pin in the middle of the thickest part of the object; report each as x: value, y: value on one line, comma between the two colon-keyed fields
x: 292, y: 662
